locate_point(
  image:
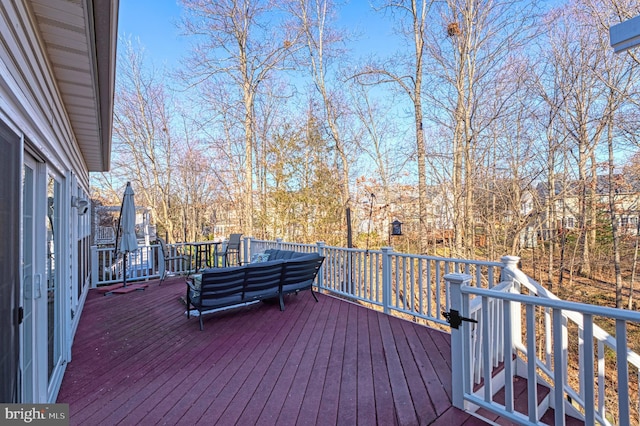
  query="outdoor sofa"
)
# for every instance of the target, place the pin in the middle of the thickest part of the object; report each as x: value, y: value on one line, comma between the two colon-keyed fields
x: 271, y: 276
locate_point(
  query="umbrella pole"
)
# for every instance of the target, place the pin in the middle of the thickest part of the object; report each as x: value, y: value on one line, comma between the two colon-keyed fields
x: 124, y: 268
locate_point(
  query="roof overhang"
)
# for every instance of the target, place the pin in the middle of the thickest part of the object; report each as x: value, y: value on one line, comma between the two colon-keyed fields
x: 625, y: 35
x: 80, y: 38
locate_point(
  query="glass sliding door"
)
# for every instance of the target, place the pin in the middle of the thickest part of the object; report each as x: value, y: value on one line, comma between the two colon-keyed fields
x: 30, y: 282
x: 10, y: 304
x: 53, y: 273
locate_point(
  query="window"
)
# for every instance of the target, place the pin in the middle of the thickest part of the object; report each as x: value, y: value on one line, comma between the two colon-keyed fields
x: 568, y: 222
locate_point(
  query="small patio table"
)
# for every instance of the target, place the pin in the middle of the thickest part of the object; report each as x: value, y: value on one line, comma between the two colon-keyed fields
x: 206, y: 254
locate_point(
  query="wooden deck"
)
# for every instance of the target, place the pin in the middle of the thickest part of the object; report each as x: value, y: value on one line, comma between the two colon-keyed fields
x: 137, y: 360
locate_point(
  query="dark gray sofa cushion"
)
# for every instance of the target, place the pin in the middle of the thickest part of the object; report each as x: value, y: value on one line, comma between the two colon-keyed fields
x: 220, y: 287
x: 285, y: 254
x: 300, y: 272
x: 262, y: 279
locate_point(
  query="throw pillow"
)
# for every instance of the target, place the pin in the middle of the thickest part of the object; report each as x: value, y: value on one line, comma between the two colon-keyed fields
x: 259, y: 257
x: 194, y: 294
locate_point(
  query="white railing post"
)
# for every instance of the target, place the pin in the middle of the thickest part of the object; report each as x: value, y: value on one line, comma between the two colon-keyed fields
x: 459, y: 365
x: 246, y: 250
x: 511, y: 265
x: 279, y: 243
x: 386, y: 278
x: 320, y: 279
x: 94, y: 266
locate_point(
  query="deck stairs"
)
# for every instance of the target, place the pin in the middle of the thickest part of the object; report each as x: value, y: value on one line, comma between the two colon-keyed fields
x: 544, y: 413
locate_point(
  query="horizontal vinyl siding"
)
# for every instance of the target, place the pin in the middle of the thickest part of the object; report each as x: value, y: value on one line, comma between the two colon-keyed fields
x: 37, y: 107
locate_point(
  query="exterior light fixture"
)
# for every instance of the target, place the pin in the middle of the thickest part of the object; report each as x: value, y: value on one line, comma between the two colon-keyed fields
x: 81, y: 204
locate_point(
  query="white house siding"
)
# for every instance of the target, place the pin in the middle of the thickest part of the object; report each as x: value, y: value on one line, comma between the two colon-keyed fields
x: 44, y: 103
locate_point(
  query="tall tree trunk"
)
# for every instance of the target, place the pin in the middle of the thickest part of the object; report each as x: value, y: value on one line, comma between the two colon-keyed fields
x: 422, y: 173
x: 585, y: 264
x: 634, y: 266
x: 458, y: 162
x: 550, y: 226
x: 612, y: 216
x: 247, y: 225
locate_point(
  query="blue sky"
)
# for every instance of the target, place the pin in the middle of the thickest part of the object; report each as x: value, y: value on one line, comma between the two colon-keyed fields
x: 154, y: 23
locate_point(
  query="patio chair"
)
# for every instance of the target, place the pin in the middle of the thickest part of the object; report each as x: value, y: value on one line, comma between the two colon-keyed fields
x: 166, y: 260
x: 231, y: 249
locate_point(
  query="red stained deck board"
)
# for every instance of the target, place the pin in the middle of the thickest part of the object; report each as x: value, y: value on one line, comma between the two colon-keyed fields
x: 129, y: 288
x: 180, y: 369
x: 331, y: 392
x: 455, y: 417
x: 422, y: 346
x: 401, y: 395
x: 291, y: 371
x: 413, y: 380
x: 312, y: 396
x: 218, y: 386
x: 385, y: 407
x: 291, y: 406
x: 137, y: 359
x: 347, y: 404
x: 366, y: 403
x: 248, y: 403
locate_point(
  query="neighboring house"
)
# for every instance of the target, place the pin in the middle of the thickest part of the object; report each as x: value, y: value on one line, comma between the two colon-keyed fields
x: 403, y: 206
x: 57, y: 69
x: 626, y: 201
x: 105, y: 223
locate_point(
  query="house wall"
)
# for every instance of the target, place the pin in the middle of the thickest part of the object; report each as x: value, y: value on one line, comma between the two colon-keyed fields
x: 32, y: 108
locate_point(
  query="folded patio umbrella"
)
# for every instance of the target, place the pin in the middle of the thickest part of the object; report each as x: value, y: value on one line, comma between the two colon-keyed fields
x: 127, y: 228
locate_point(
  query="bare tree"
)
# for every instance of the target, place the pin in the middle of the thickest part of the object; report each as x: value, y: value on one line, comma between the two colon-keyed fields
x: 551, y: 86
x: 322, y: 41
x: 470, y: 55
x: 407, y: 72
x: 618, y: 74
x: 242, y: 42
x: 144, y: 142
x: 584, y: 116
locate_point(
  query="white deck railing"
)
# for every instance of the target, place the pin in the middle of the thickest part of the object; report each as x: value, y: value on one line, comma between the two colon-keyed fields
x: 397, y: 283
x: 143, y: 264
x: 419, y: 288
x: 105, y: 235
x: 587, y: 369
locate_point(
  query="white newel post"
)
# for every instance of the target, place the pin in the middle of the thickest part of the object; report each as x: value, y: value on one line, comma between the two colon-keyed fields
x: 94, y: 266
x: 246, y: 250
x: 508, y: 273
x: 321, y: 252
x: 386, y: 278
x: 279, y: 243
x: 459, y: 359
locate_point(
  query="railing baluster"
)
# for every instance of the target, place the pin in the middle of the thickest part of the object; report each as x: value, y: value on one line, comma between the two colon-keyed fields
x: 430, y: 289
x: 587, y: 367
x: 386, y: 279
x: 623, y: 373
x: 420, y: 286
x: 547, y: 337
x: 601, y: 380
x: 508, y: 361
x: 396, y: 286
x: 486, y: 353
x: 532, y: 388
x: 559, y: 366
x: 404, y: 283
